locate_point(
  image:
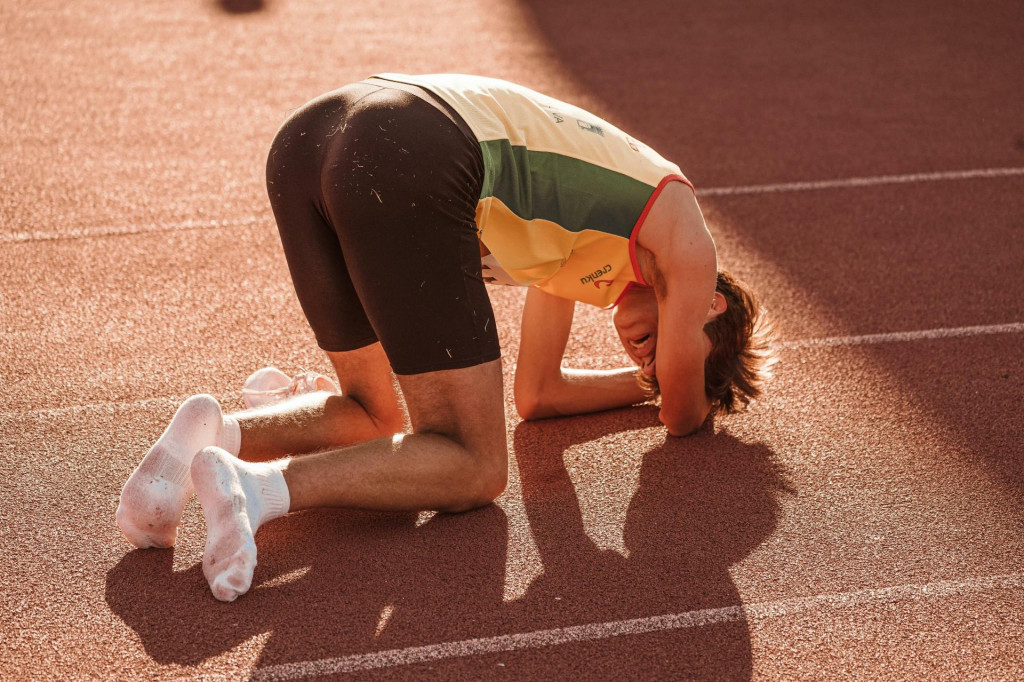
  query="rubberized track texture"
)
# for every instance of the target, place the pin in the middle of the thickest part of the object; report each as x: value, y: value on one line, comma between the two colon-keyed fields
x: 860, y: 165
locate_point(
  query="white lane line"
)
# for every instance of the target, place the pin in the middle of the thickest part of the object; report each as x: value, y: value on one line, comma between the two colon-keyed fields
x: 637, y: 626
x: 890, y: 337
x: 861, y: 182
x: 896, y: 337
x: 113, y: 230
x: 831, y: 341
x: 116, y: 231
x: 108, y: 406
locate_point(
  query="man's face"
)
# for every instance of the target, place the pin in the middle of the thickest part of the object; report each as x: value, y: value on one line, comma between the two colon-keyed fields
x: 636, y: 323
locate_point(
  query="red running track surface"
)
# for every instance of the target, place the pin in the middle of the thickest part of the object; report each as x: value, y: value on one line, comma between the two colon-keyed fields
x: 863, y: 521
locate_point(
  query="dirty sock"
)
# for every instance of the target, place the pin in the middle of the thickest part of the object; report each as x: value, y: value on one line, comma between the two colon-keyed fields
x: 237, y: 498
x: 154, y: 495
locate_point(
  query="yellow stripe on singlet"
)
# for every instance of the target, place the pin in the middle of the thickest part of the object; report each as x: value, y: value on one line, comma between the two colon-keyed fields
x: 587, y: 266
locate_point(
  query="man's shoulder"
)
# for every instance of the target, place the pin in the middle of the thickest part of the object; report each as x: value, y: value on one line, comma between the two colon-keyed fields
x: 675, y: 229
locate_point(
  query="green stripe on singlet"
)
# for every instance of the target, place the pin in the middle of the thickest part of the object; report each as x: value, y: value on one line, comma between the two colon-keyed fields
x: 572, y: 193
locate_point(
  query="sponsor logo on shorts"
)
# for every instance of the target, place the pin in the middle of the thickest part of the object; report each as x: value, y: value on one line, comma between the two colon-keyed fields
x: 590, y: 127
x: 595, y: 277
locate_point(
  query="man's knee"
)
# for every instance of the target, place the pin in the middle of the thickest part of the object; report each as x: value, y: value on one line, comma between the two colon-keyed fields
x: 466, y: 408
x: 386, y: 417
x: 492, y: 482
x: 483, y: 484
x: 364, y: 375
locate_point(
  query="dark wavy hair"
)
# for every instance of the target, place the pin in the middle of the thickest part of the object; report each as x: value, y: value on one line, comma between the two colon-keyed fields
x: 742, y: 352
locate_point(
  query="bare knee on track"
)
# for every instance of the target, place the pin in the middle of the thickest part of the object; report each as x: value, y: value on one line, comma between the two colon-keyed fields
x: 485, y: 480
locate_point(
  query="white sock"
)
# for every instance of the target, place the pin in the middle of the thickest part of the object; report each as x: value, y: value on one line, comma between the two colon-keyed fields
x: 154, y: 495
x: 237, y: 498
x: 231, y: 436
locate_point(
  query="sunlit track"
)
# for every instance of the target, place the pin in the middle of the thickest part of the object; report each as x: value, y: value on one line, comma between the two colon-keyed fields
x: 105, y: 406
x: 861, y: 182
x: 117, y: 231
x: 861, y: 521
x: 828, y: 341
x: 897, y: 337
x: 638, y: 626
x: 877, y: 339
x: 120, y: 231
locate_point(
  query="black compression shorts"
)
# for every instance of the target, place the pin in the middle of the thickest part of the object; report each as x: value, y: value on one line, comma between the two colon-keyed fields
x: 375, y: 189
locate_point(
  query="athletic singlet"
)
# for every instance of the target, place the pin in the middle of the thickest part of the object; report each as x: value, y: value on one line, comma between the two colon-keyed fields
x: 564, y: 192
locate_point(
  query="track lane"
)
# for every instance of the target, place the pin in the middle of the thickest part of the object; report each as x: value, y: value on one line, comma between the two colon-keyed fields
x: 905, y: 462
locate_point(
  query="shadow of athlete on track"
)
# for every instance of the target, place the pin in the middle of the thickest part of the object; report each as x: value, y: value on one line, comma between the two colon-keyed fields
x: 240, y: 6
x: 703, y: 503
x: 329, y: 583
x: 335, y: 583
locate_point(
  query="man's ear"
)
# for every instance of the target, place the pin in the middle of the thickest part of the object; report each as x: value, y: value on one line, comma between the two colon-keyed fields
x: 718, y: 306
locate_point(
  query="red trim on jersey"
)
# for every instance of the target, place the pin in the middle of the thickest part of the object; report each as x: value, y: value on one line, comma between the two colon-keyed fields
x: 639, y: 223
x: 629, y: 285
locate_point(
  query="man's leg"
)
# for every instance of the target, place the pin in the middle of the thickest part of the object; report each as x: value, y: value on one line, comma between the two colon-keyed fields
x: 390, y: 256
x: 366, y: 409
x: 456, y: 459
x: 154, y: 496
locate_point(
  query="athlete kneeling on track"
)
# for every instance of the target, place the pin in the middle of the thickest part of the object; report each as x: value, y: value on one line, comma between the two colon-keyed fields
x: 397, y: 198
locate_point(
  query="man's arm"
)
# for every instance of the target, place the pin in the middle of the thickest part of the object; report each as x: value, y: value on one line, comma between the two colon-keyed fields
x: 680, y: 365
x: 543, y: 388
x: 685, y: 272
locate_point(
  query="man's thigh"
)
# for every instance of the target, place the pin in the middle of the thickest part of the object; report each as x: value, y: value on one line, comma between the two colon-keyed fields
x: 466, y: 405
x: 408, y: 234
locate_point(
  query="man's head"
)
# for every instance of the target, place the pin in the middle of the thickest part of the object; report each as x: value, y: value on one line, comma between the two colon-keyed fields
x: 738, y: 351
x: 741, y: 356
